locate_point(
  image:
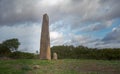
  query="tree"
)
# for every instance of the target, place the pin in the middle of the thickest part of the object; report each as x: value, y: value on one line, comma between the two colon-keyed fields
x: 4, y: 51
x: 37, y: 52
x: 82, y: 52
x: 12, y: 44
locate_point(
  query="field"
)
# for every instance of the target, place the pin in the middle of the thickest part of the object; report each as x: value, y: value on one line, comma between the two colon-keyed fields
x: 65, y: 66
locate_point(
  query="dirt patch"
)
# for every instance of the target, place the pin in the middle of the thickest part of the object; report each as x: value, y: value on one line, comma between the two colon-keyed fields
x: 94, y: 68
x: 5, y: 58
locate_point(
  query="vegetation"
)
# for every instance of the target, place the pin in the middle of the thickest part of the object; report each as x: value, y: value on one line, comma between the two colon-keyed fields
x: 81, y: 52
x: 4, y: 51
x: 22, y: 55
x: 72, y: 60
x: 8, y: 48
x: 66, y: 66
x: 12, y: 44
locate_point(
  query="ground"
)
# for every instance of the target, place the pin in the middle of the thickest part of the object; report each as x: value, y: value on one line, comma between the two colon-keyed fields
x: 64, y: 66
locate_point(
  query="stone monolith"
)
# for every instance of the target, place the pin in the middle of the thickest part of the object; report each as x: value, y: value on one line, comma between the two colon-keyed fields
x: 45, y: 52
x: 55, y: 56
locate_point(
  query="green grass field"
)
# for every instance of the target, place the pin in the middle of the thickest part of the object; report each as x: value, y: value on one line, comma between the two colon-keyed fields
x: 66, y: 66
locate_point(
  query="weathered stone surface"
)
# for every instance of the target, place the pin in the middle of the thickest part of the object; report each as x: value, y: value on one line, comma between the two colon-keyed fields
x: 55, y: 56
x: 45, y: 52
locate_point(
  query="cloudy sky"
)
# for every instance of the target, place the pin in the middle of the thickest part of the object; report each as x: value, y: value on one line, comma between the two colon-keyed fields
x: 92, y: 23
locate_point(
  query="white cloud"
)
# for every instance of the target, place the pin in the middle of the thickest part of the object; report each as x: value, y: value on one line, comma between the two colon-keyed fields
x: 114, y: 29
x: 111, y: 40
x: 29, y: 36
x: 55, y: 35
x: 97, y: 26
x: 50, y: 3
x: 56, y: 38
x: 108, y: 23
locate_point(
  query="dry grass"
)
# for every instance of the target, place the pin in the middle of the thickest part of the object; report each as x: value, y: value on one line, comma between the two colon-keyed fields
x: 66, y: 66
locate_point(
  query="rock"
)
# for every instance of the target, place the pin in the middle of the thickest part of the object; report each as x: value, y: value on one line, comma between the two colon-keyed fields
x: 55, y: 56
x: 36, y: 67
x: 45, y: 52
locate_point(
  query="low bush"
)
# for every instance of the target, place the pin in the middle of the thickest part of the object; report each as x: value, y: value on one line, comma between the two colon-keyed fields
x: 22, y: 55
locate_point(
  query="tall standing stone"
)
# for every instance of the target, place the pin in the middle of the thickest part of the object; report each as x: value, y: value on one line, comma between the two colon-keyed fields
x: 45, y: 52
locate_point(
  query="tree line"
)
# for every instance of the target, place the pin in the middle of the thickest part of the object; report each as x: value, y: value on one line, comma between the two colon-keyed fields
x: 8, y: 48
x: 81, y: 52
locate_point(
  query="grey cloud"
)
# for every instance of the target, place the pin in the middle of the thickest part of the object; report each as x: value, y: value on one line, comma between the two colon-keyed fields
x: 15, y: 11
x: 102, y: 12
x: 112, y: 37
x: 97, y: 26
x: 111, y: 40
x: 109, y: 1
x: 91, y: 12
x: 77, y: 40
x: 113, y: 9
x: 74, y: 12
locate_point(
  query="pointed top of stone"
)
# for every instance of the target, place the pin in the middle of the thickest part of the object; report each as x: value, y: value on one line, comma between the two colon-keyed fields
x: 45, y: 14
x: 45, y: 17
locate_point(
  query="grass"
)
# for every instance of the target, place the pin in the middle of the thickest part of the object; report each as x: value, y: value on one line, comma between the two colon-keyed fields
x: 65, y: 66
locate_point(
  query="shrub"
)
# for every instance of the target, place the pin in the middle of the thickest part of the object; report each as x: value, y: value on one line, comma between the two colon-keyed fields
x: 82, y: 52
x: 22, y: 55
